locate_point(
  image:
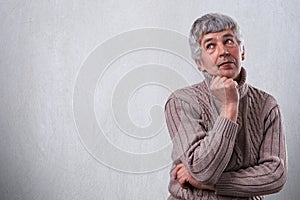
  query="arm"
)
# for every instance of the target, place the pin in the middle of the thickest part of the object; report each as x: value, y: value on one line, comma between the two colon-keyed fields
x: 269, y: 175
x: 204, y: 153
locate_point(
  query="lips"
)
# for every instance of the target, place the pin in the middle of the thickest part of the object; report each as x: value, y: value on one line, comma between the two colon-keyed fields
x: 224, y: 63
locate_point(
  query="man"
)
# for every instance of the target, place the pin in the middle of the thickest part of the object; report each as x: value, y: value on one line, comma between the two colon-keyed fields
x: 228, y: 137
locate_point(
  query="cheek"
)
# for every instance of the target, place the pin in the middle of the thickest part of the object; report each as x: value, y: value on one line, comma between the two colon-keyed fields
x: 236, y: 53
x: 207, y: 59
x: 212, y: 58
x: 210, y: 61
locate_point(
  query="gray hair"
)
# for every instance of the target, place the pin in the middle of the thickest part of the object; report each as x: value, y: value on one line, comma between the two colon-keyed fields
x: 211, y: 23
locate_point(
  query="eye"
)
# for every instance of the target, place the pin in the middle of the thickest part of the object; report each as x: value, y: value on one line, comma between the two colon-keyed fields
x: 229, y: 42
x: 210, y: 46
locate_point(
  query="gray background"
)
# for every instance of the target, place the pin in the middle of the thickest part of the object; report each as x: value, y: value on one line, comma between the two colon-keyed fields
x: 43, y: 45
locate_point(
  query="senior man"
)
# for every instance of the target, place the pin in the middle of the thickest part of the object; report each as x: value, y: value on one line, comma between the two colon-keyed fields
x: 228, y: 136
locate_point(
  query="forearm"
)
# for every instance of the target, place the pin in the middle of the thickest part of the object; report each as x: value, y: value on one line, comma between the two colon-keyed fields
x: 205, y: 153
x: 270, y: 173
x: 207, y: 158
x: 202, y: 186
x: 263, y: 179
x: 222, y: 147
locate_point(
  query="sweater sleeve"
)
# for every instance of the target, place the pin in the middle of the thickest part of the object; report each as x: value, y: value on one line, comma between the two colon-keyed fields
x: 204, y: 153
x: 269, y: 175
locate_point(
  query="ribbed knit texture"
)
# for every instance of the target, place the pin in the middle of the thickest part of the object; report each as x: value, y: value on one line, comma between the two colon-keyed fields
x: 244, y: 160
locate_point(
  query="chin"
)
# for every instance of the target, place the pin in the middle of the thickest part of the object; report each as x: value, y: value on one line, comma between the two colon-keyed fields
x: 230, y: 74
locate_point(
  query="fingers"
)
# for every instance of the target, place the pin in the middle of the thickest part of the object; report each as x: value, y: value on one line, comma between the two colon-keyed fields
x: 181, y: 174
x: 230, y: 82
x: 183, y: 183
x: 177, y: 168
x: 183, y: 178
x: 224, y: 89
x: 218, y: 82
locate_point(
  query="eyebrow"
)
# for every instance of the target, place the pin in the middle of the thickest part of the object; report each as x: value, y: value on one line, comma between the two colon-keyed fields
x: 223, y: 36
x: 208, y: 40
x: 227, y: 35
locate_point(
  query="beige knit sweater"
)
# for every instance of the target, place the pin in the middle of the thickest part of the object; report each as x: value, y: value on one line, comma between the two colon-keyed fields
x: 244, y: 160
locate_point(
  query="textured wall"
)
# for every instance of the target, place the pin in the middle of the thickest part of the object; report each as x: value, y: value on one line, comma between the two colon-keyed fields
x: 53, y: 80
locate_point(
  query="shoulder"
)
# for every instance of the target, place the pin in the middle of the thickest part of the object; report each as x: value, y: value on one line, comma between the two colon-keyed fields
x: 193, y: 94
x: 191, y: 101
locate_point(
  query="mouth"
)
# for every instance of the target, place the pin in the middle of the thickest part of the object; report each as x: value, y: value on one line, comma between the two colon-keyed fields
x: 225, y: 63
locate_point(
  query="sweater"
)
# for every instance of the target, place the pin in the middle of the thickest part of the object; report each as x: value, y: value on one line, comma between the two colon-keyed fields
x: 244, y: 160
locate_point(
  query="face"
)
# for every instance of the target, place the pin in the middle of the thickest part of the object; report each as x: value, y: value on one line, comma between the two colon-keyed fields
x: 221, y: 54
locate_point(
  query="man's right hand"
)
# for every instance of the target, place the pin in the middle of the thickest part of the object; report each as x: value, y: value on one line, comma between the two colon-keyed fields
x: 225, y: 90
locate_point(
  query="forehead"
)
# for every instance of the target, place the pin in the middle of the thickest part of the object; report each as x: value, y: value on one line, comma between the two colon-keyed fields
x: 217, y: 35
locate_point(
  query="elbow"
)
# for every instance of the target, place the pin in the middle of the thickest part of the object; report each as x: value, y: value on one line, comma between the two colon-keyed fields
x: 279, y: 179
x: 206, y: 170
x: 207, y: 177
x: 203, y: 172
x: 283, y: 177
x: 277, y: 187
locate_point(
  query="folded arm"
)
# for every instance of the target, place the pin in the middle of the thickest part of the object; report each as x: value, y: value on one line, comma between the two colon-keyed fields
x: 270, y: 174
x: 205, y: 153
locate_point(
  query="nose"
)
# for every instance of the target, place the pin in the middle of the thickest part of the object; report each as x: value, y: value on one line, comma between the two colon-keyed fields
x: 222, y: 49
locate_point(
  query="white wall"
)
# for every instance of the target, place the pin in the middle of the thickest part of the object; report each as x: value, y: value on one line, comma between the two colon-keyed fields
x: 52, y: 149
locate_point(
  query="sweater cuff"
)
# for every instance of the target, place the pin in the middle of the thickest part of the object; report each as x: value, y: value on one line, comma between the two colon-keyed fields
x: 225, y: 125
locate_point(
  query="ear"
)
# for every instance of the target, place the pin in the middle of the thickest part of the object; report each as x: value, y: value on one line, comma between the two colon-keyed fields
x: 243, y: 52
x: 200, y: 66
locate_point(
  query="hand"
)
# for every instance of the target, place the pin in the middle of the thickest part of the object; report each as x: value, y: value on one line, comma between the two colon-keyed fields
x: 186, y: 180
x: 181, y: 174
x: 225, y: 90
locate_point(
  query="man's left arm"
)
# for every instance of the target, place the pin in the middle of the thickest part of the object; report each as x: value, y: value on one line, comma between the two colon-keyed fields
x: 270, y: 174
